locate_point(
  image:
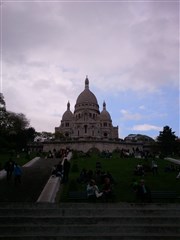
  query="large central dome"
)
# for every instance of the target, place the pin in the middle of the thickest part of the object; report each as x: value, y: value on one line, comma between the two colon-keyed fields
x: 86, y: 98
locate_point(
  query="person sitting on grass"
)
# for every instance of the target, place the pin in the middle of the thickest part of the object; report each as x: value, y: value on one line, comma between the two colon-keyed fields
x: 83, y: 176
x: 134, y: 185
x: 93, y: 190
x: 107, y: 189
x: 143, y: 192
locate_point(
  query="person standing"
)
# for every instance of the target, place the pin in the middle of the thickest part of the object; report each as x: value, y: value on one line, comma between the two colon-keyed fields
x: 9, y: 168
x: 66, y: 169
x: 17, y: 174
x: 154, y: 167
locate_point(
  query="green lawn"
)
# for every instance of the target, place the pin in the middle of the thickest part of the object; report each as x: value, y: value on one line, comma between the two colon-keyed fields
x: 121, y: 169
x: 123, y: 173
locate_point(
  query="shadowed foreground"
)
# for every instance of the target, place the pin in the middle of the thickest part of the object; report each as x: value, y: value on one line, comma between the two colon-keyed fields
x: 34, y: 179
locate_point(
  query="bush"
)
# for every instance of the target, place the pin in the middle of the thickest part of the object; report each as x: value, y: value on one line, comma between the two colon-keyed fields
x: 73, y: 186
x: 75, y: 167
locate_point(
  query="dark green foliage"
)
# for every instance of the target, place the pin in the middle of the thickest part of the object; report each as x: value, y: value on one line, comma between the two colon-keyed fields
x: 73, y: 185
x: 15, y: 132
x: 75, y: 167
x: 167, y: 141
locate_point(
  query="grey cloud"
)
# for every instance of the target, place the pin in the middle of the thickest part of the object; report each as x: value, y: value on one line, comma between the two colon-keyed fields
x: 48, y: 48
x: 28, y: 25
x: 96, y: 37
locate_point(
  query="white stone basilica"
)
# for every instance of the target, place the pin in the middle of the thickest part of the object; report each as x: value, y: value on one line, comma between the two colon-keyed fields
x: 87, y: 122
x: 87, y: 128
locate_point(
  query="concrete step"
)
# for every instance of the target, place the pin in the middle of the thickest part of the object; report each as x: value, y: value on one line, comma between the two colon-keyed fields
x: 103, y: 237
x: 93, y: 212
x: 32, y: 205
x: 90, y: 230
x: 57, y: 220
x: 89, y: 221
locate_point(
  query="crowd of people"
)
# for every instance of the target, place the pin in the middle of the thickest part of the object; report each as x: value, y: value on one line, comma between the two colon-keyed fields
x: 141, y: 169
x: 141, y: 190
x: 93, y: 191
x: 99, y: 183
x: 94, y: 179
x: 58, y: 153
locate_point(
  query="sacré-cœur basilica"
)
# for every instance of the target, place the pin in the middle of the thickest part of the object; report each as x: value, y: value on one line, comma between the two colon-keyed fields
x: 87, y: 128
x: 87, y: 122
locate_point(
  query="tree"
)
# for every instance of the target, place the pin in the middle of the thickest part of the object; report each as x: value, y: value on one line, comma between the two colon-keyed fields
x: 3, y: 112
x: 167, y: 141
x: 15, y: 131
x: 16, y: 122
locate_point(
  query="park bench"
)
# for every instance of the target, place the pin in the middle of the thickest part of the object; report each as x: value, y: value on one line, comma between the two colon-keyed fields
x: 163, y: 195
x: 77, y: 195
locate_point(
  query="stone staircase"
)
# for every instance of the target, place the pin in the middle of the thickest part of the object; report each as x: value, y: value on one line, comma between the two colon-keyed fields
x: 89, y: 221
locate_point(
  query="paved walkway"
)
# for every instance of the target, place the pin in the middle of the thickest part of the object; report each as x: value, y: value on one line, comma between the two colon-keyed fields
x: 34, y: 178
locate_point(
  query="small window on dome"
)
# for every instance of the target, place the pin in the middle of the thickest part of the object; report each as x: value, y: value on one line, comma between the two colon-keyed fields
x: 105, y: 124
x: 67, y: 124
x: 105, y: 134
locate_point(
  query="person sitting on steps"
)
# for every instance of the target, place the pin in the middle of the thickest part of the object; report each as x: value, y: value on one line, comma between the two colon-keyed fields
x: 93, y: 190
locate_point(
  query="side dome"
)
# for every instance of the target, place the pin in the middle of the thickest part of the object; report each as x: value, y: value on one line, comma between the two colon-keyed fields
x: 68, y: 115
x: 104, y: 115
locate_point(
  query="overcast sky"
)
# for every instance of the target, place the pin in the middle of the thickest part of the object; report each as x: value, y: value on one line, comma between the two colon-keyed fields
x: 128, y: 49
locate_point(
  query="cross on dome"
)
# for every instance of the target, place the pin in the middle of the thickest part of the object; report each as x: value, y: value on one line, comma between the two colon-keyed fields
x: 104, y: 105
x: 68, y: 106
x: 86, y: 82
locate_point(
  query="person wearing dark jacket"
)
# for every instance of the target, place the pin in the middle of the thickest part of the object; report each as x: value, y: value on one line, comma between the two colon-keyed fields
x: 9, y: 168
x: 66, y: 168
x: 143, y: 192
x: 17, y: 173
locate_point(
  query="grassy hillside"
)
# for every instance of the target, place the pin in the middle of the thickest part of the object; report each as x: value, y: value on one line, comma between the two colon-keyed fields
x: 123, y: 173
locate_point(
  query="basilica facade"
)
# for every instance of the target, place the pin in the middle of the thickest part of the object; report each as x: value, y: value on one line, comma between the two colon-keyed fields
x: 88, y: 127
x: 87, y: 122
